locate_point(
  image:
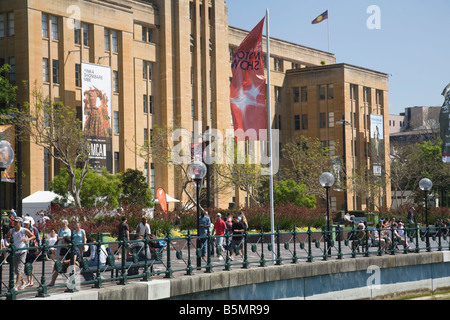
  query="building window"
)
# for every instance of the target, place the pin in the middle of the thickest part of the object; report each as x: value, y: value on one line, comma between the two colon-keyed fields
x: 322, y: 92
x: 330, y: 91
x: 296, y: 94
x: 322, y: 120
x: 12, y: 71
x: 145, y: 137
x: 77, y: 34
x: 145, y: 105
x: 45, y: 70
x: 277, y: 94
x: 192, y: 108
x: 192, y: 43
x: 150, y: 104
x: 304, y: 94
x: 115, y: 41
x: 55, y: 35
x: 152, y: 177
x: 55, y: 71
x: 304, y: 122
x: 331, y: 148
x: 147, y: 34
x: 85, y: 34
x: 278, y: 64
x: 2, y: 25
x: 147, y: 70
x: 366, y: 95
x: 10, y: 24
x: 116, y: 121
x: 379, y: 97
x: 297, y: 122
x: 330, y: 119
x: 116, y: 81
x: 78, y: 75
x: 116, y: 162
x: 353, y: 91
x: 106, y: 40
x: 44, y: 25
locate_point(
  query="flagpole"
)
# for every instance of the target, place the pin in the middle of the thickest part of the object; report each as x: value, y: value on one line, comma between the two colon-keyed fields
x: 328, y: 27
x: 269, y: 127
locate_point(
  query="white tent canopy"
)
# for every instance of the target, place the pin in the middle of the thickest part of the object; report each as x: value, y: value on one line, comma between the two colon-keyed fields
x: 38, y: 201
x: 169, y: 199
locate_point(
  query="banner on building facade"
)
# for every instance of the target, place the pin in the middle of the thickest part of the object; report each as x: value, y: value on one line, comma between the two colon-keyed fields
x: 248, y: 88
x: 444, y: 121
x: 377, y: 143
x: 7, y: 133
x: 96, y: 88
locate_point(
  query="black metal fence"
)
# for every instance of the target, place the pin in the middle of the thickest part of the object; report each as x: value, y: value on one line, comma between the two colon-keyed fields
x: 170, y: 256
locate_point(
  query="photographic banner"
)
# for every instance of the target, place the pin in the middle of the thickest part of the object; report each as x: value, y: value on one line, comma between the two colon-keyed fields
x: 7, y: 133
x: 377, y: 143
x: 96, y: 88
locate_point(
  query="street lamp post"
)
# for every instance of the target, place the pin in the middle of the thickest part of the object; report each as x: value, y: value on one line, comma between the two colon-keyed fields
x: 344, y: 158
x: 327, y: 181
x: 197, y: 171
x: 425, y: 185
x: 6, y: 159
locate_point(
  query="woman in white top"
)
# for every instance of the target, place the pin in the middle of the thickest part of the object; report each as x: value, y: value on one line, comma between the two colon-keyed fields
x: 52, y: 238
x: 21, y: 237
x: 143, y: 227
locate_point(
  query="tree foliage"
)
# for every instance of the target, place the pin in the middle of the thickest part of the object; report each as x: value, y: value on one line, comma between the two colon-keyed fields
x: 55, y: 127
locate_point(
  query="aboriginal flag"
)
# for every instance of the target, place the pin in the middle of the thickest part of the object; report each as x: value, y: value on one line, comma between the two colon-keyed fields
x: 320, y: 18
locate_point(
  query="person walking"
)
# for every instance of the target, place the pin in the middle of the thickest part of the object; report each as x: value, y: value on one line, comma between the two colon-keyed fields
x: 21, y: 237
x: 204, y: 224
x: 219, y: 231
x: 238, y: 230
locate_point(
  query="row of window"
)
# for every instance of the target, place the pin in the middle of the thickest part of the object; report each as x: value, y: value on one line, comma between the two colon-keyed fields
x: 6, y: 24
x: 56, y: 79
x: 50, y: 26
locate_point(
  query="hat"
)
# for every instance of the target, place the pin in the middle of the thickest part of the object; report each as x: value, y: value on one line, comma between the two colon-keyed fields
x: 27, y: 220
x: 18, y: 219
x: 4, y: 213
x: 361, y: 225
x: 219, y: 214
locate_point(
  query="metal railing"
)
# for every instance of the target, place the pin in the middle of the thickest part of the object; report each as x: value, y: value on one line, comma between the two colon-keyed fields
x: 170, y: 256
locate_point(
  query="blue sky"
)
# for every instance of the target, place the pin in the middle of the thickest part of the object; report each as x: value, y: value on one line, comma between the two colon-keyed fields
x: 412, y: 44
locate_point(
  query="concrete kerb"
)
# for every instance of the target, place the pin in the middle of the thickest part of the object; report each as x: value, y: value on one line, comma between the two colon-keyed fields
x: 217, y: 280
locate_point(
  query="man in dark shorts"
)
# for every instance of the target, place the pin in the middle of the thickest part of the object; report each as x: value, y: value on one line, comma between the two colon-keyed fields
x: 238, y: 230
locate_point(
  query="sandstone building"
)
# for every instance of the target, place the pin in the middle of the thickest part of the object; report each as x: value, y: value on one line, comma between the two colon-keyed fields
x: 170, y: 64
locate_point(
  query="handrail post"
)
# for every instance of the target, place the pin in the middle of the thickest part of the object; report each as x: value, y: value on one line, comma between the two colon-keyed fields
x: 262, y: 262
x: 146, y: 276
x: 245, y: 263
x: 310, y: 258
x: 169, y: 263
x: 228, y: 244
x: 42, y: 290
x: 72, y: 288
x: 123, y: 278
x: 98, y: 277
x: 278, y: 262
x: 208, y: 268
x: 338, y: 234
x: 294, y: 257
x: 189, y: 268
x: 11, y: 294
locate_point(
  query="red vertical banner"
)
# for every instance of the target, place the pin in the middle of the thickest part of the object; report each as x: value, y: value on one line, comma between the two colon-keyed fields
x: 248, y: 87
x: 161, y: 196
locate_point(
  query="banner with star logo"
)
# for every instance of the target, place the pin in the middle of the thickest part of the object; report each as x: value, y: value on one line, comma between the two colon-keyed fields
x: 248, y: 88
